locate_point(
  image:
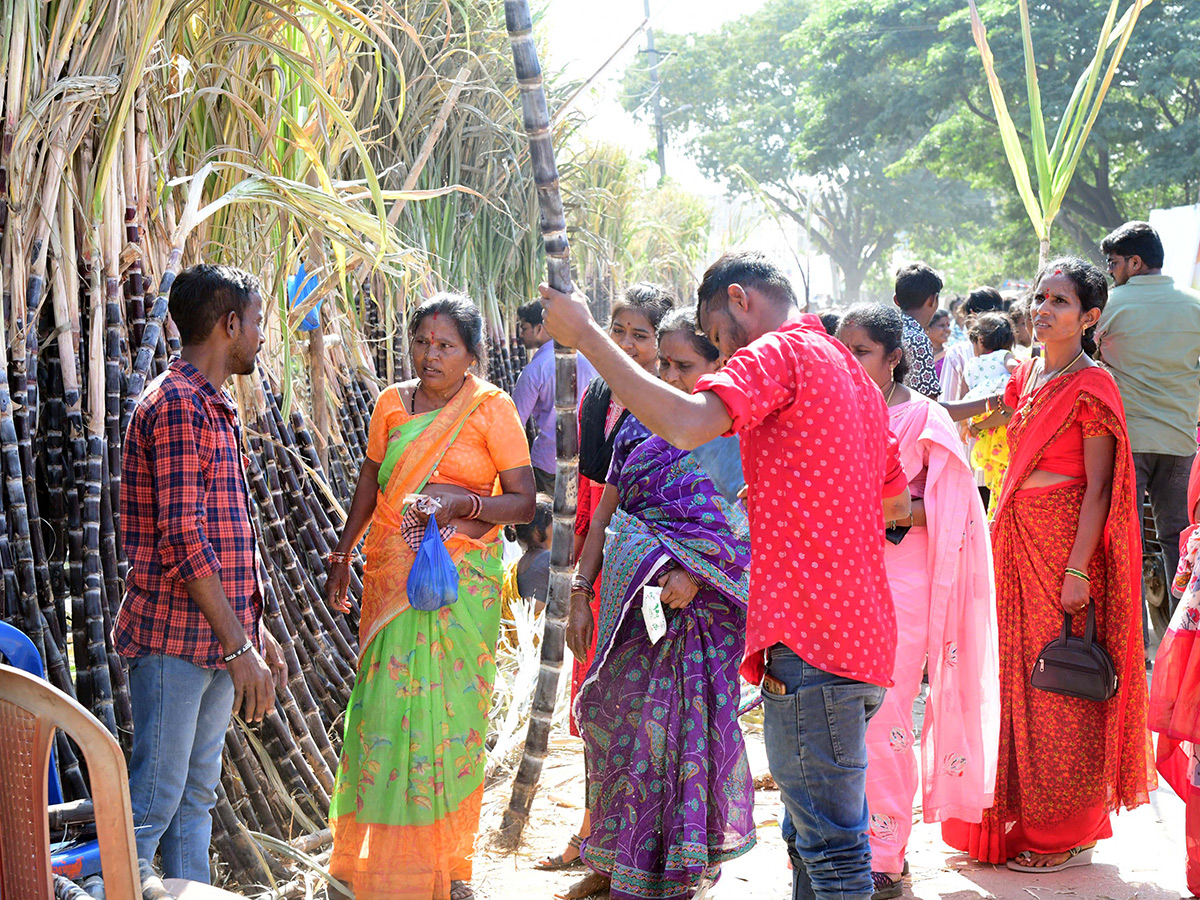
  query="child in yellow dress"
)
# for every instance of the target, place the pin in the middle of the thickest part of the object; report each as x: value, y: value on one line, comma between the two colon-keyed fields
x: 992, y: 337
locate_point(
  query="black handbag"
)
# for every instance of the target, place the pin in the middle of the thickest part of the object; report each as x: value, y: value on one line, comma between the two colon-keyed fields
x: 1076, y: 667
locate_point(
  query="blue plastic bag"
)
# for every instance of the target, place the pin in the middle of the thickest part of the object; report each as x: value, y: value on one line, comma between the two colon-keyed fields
x: 433, y: 579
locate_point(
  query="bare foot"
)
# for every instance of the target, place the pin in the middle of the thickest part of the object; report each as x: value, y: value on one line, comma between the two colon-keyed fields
x: 460, y: 890
x: 589, y: 884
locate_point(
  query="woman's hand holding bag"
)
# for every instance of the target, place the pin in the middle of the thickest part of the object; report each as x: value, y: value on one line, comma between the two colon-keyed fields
x: 433, y: 579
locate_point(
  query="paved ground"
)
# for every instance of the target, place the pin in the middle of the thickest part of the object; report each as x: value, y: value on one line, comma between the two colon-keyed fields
x: 1144, y: 860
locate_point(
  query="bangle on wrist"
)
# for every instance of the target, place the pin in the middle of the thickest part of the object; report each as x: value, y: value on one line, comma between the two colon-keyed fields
x: 335, y: 558
x: 1075, y: 573
x: 240, y: 651
x: 476, y: 507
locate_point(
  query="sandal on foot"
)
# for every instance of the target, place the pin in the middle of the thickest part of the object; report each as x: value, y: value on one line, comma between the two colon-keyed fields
x: 886, y: 887
x: 1076, y: 856
x: 557, y: 863
x: 460, y: 890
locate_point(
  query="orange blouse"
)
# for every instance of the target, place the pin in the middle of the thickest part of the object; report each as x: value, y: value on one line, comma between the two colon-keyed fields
x: 491, y: 441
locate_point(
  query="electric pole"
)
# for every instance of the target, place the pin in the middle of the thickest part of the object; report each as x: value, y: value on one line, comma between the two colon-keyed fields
x: 656, y: 96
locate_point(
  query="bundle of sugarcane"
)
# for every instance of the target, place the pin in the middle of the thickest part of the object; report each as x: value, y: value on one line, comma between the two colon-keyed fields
x: 134, y: 143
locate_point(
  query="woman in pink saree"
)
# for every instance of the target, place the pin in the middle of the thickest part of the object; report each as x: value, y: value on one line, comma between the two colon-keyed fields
x: 939, y: 565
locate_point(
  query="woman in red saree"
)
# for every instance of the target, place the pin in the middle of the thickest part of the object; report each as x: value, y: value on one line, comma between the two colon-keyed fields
x: 1065, y: 534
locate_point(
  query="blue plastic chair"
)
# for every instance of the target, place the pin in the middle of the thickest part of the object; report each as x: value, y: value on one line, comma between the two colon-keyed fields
x: 75, y: 859
x: 21, y: 654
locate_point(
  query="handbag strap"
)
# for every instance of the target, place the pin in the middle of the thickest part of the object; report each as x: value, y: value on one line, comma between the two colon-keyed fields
x: 1089, y: 630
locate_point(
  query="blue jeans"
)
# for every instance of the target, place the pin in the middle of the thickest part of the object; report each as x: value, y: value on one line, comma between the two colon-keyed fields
x: 817, y: 750
x: 180, y: 714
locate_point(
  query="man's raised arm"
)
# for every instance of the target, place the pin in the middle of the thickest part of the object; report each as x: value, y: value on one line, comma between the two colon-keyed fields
x: 685, y: 420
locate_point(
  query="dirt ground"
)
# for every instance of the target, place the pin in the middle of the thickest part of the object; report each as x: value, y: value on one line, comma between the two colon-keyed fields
x: 1144, y: 860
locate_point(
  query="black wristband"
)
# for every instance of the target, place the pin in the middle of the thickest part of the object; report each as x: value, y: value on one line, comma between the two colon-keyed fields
x: 245, y: 648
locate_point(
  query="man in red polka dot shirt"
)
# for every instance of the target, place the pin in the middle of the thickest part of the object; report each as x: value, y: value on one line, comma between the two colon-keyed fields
x: 823, y: 474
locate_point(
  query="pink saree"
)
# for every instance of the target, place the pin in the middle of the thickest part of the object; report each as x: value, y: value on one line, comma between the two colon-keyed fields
x: 944, y: 591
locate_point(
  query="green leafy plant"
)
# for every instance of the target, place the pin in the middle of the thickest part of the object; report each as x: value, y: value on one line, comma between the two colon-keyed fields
x: 1054, y: 163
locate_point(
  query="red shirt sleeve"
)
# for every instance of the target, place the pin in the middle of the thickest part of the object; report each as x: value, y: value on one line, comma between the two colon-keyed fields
x: 759, y: 380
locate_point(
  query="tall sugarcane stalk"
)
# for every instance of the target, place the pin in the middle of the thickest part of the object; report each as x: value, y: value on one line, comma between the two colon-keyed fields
x: 536, y: 118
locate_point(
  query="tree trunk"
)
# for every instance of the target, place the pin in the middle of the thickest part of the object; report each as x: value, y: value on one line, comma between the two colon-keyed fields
x: 554, y: 236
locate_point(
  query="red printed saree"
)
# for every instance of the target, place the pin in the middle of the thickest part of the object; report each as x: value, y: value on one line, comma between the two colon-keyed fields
x: 1064, y: 764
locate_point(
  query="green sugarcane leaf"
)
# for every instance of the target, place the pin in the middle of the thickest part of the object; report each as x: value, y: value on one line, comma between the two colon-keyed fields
x: 1037, y: 124
x: 1063, y: 178
x: 1008, y: 131
x: 1076, y: 112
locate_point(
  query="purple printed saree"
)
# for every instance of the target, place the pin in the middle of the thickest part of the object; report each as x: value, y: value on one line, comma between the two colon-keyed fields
x: 669, y: 787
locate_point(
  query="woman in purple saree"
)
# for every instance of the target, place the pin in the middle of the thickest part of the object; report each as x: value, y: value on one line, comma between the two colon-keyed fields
x: 669, y: 787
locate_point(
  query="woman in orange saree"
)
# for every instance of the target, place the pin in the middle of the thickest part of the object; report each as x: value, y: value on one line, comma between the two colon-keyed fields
x: 1065, y: 534
x: 405, y: 807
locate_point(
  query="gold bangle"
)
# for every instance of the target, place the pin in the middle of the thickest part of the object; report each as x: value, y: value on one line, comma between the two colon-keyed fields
x: 1082, y: 576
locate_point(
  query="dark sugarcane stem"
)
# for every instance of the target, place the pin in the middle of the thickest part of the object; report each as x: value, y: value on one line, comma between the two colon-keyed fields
x: 52, y: 460
x: 17, y: 513
x: 252, y: 868
x: 281, y: 556
x: 93, y: 591
x: 12, y: 594
x: 108, y: 546
x: 375, y: 330
x: 24, y: 422
x: 285, y: 701
x: 77, y: 476
x: 73, y: 785
x: 151, y: 336
x: 284, y: 750
x: 536, y: 119
x: 329, y: 691
x: 298, y: 693
x: 315, y: 770
x: 114, y: 355
x: 238, y: 755
x: 303, y: 526
x: 330, y: 696
x: 135, y: 287
x: 339, y: 631
x: 239, y: 800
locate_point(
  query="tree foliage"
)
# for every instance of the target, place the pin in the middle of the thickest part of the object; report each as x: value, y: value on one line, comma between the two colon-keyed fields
x: 886, y: 104
x: 910, y: 73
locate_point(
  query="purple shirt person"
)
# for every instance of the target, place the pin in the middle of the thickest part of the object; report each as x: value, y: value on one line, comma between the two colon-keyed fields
x: 534, y: 393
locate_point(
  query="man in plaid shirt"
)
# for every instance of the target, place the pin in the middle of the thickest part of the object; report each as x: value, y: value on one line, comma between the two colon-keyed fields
x: 190, y: 619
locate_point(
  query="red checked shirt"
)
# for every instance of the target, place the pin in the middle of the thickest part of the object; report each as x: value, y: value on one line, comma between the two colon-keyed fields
x: 185, y: 514
x: 819, y: 458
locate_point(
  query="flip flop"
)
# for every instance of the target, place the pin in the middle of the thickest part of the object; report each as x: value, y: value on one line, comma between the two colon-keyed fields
x: 557, y: 863
x: 1078, y: 856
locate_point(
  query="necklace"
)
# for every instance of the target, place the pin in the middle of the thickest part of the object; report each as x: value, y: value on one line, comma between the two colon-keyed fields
x: 887, y: 401
x: 1064, y: 369
x: 1032, y: 392
x: 413, y: 400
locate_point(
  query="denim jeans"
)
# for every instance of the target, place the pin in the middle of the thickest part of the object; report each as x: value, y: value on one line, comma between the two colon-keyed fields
x: 817, y: 750
x: 180, y: 714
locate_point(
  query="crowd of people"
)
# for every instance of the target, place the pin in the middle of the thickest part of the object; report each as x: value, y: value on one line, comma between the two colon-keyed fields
x: 835, y: 510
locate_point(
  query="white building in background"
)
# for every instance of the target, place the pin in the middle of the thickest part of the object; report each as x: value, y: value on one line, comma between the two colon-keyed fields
x: 744, y: 223
x: 1179, y: 229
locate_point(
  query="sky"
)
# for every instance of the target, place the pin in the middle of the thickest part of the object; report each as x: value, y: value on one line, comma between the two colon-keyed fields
x: 584, y: 33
